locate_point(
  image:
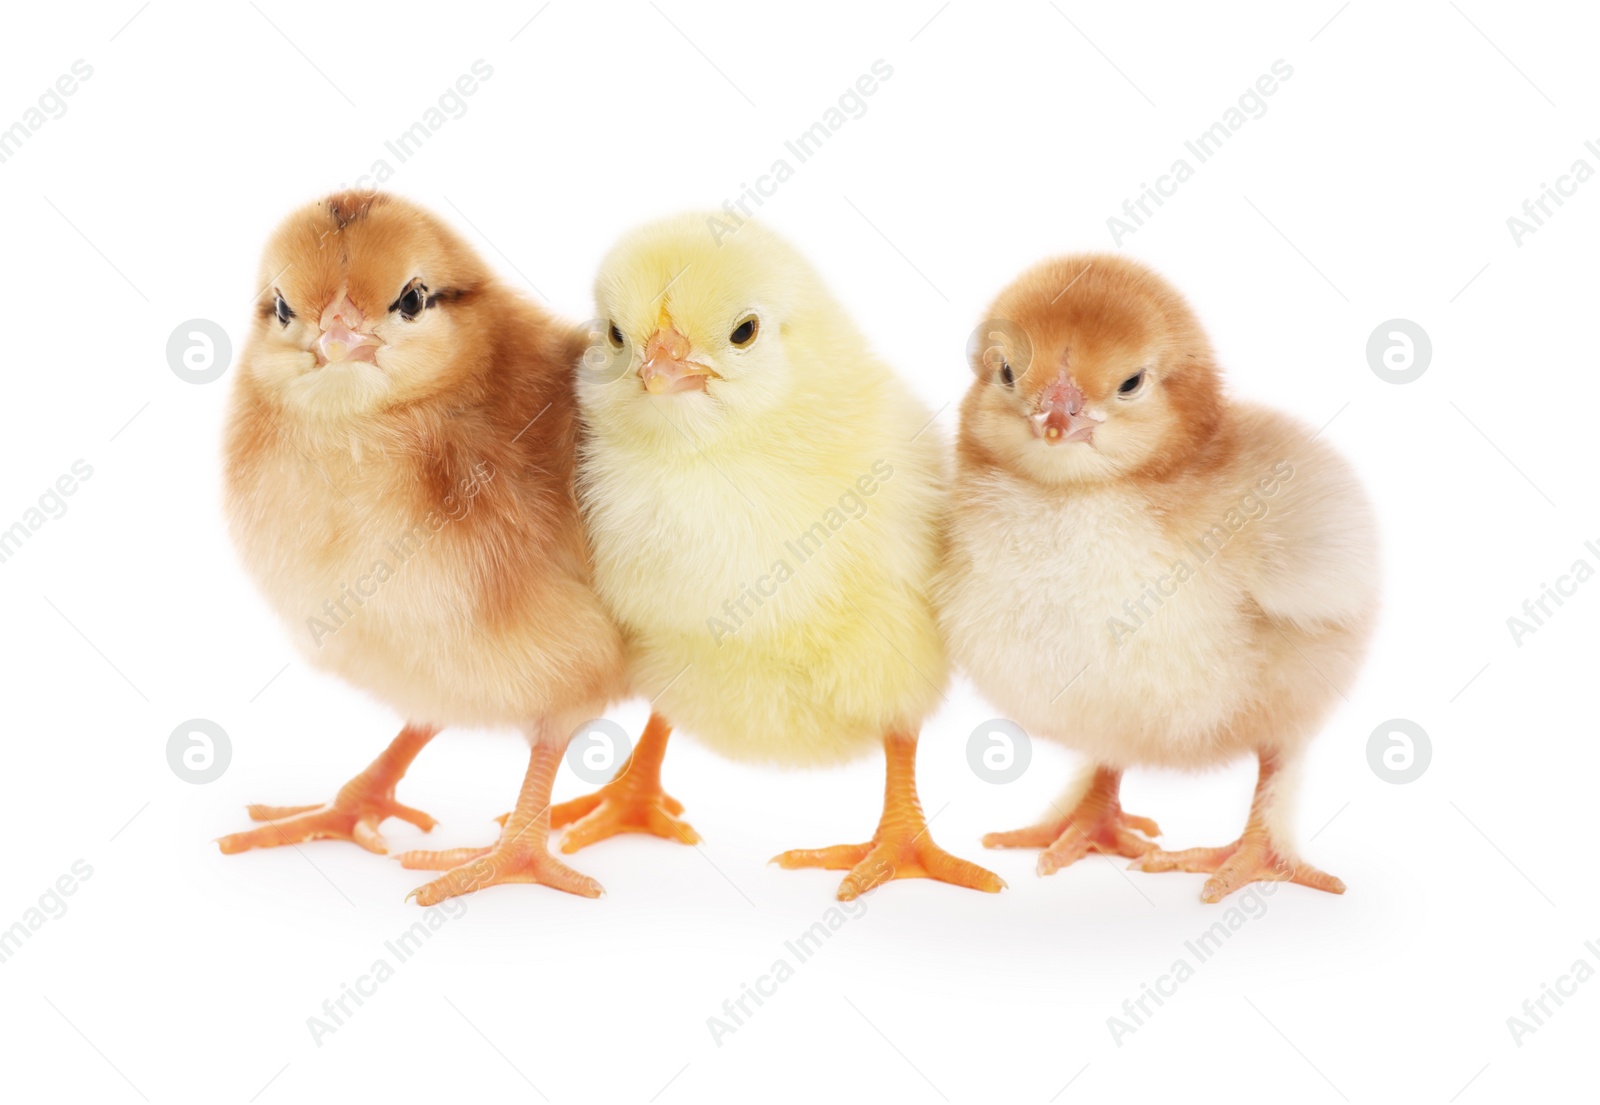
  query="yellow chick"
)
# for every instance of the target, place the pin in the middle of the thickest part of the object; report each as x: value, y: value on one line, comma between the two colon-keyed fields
x: 1144, y: 570
x: 400, y: 459
x: 763, y: 500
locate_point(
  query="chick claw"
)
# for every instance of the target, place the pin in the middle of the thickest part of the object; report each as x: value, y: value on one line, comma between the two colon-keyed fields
x: 522, y: 854
x: 526, y: 861
x: 350, y: 816
x: 1251, y: 858
x: 901, y: 848
x: 1096, y: 824
x: 356, y: 811
x: 633, y: 802
x: 621, y: 807
x: 875, y: 863
x: 1066, y: 840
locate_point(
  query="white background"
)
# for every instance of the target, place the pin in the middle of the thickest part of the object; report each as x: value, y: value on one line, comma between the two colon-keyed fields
x: 1377, y: 185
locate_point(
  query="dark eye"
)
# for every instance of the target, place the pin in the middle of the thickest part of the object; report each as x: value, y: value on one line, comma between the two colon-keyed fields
x: 1131, y: 384
x: 745, y: 333
x: 411, y: 301
x: 616, y: 336
x: 284, y: 313
x: 1006, y: 375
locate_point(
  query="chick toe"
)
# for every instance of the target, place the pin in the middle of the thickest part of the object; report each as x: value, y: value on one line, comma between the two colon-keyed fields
x: 259, y: 812
x: 1252, y: 858
x: 633, y: 802
x: 521, y: 855
x: 355, y: 813
x: 1096, y: 823
x: 514, y: 862
x: 1257, y: 856
x: 443, y: 859
x: 901, y: 848
x: 895, y: 856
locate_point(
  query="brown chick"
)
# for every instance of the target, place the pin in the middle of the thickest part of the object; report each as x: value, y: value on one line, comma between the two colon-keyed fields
x: 1144, y: 570
x: 399, y: 484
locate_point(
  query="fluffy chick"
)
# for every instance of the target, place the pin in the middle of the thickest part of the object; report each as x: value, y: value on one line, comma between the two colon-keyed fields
x: 1144, y: 570
x: 763, y: 499
x: 399, y: 484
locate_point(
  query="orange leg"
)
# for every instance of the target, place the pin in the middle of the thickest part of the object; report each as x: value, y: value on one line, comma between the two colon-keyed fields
x: 1254, y: 857
x: 355, y: 812
x: 901, y: 848
x: 1096, y: 824
x: 633, y: 802
x: 522, y: 853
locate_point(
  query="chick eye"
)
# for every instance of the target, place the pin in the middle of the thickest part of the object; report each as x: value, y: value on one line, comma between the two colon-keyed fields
x: 283, y: 311
x: 1131, y: 384
x: 616, y: 336
x: 745, y: 332
x: 412, y: 301
x: 1007, y: 377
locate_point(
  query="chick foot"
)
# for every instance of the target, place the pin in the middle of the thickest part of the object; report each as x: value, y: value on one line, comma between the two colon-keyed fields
x: 633, y: 802
x: 1097, y: 823
x: 901, y: 848
x: 522, y: 853
x: 1254, y: 857
x: 1251, y: 858
x: 356, y: 811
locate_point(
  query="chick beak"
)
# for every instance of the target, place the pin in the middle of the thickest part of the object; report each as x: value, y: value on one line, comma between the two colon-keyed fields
x: 667, y: 367
x: 1060, y: 417
x: 342, y: 338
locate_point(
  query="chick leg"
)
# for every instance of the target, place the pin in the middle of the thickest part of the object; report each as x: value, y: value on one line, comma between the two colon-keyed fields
x: 1260, y: 855
x: 522, y: 853
x: 1094, y: 822
x: 901, y: 848
x: 633, y: 802
x: 355, y: 812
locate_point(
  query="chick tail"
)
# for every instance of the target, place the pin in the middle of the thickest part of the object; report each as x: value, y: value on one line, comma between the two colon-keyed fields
x: 901, y: 848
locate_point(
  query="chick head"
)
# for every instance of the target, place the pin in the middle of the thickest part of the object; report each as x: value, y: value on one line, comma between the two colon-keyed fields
x: 695, y: 330
x: 366, y: 301
x: 1092, y: 368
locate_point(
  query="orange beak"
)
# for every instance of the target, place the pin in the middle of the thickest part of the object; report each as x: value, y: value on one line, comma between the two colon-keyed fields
x: 667, y: 367
x: 342, y: 337
x: 1060, y: 418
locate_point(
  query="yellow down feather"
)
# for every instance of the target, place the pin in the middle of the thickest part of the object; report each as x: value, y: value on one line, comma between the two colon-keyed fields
x: 767, y: 543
